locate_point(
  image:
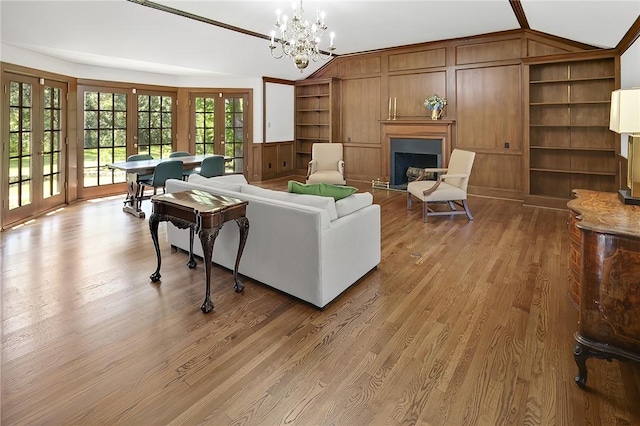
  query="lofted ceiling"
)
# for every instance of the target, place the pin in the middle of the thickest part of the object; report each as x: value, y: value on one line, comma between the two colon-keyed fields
x: 130, y: 35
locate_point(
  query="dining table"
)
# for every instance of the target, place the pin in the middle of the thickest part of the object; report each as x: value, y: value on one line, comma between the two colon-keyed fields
x: 133, y: 169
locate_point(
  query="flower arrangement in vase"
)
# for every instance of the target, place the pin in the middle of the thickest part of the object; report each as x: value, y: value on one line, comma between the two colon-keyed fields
x: 435, y: 104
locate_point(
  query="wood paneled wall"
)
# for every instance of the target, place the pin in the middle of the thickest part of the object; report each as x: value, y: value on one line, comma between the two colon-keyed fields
x: 482, y: 79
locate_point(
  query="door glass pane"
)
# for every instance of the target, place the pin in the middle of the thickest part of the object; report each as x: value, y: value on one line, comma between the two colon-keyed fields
x: 105, y: 127
x: 25, y: 193
x: 155, y: 125
x: 20, y: 144
x: 234, y: 133
x: 205, y: 125
x: 50, y: 150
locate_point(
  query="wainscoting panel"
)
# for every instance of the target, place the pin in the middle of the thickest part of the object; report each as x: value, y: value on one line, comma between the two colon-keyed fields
x: 415, y: 60
x: 497, y: 175
x: 361, y: 162
x: 361, y: 110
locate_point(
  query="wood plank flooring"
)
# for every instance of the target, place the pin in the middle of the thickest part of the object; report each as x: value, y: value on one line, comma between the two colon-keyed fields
x: 462, y: 323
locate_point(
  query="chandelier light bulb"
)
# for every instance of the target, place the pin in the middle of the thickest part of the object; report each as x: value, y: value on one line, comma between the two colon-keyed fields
x: 300, y: 39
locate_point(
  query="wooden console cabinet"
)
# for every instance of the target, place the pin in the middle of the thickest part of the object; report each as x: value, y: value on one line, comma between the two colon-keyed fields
x: 604, y: 278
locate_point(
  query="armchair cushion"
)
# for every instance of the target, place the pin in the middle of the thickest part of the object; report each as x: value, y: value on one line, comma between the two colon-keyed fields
x: 322, y: 189
x: 445, y: 191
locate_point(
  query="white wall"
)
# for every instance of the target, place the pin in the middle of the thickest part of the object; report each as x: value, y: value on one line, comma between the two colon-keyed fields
x: 629, y: 77
x: 27, y: 58
x: 279, y: 112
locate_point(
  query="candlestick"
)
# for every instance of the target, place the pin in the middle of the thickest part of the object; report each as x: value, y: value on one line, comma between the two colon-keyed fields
x: 395, y: 107
x: 389, y: 116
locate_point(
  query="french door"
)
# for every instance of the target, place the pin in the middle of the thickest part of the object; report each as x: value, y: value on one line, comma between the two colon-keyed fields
x: 117, y: 123
x: 218, y: 126
x: 34, y: 140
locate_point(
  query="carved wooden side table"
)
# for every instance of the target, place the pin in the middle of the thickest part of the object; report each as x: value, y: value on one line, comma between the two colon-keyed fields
x: 204, y: 214
x: 605, y: 280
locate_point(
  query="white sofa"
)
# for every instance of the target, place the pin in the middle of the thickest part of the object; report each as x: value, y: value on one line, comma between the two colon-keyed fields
x: 307, y: 246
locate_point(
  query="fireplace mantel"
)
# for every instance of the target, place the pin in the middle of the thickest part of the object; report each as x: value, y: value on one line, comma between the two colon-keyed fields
x: 419, y: 128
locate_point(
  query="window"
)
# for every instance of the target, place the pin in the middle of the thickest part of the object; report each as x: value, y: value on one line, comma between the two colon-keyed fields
x: 51, y: 146
x: 35, y: 128
x: 205, y: 125
x: 105, y: 136
x: 218, y: 126
x: 118, y: 124
x: 155, y: 125
x: 20, y: 133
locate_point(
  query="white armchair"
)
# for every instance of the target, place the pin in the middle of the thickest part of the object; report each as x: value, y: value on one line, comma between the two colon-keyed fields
x: 450, y: 188
x: 326, y: 164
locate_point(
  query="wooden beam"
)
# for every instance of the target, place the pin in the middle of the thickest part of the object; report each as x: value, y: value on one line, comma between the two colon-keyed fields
x: 199, y: 18
x: 209, y: 21
x: 516, y: 5
x: 630, y: 37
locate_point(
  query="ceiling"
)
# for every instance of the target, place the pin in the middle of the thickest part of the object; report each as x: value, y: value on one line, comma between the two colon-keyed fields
x: 126, y: 35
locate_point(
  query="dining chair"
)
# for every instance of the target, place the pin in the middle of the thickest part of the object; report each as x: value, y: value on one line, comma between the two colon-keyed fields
x: 185, y: 173
x: 212, y: 166
x: 141, y: 157
x: 171, y: 169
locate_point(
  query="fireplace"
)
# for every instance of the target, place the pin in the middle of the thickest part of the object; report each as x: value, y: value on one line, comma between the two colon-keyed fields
x: 412, y: 152
x: 419, y: 142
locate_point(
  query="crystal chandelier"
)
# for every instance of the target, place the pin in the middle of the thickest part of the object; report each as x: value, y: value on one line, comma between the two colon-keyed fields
x: 299, y: 39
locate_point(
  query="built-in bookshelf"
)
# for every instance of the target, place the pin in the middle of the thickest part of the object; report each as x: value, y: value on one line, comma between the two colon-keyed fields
x: 317, y: 106
x: 569, y: 141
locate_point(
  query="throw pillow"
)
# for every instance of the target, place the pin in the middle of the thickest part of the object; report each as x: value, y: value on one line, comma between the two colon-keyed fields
x: 338, y: 192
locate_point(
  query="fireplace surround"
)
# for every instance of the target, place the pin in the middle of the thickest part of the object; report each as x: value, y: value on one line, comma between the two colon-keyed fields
x: 420, y: 137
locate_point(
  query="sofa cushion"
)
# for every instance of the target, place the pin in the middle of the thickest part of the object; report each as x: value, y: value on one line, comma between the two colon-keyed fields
x: 353, y: 203
x: 228, y: 182
x: 338, y: 192
x: 325, y: 203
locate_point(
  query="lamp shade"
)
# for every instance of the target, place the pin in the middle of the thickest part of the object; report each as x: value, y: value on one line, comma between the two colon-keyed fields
x: 625, y: 111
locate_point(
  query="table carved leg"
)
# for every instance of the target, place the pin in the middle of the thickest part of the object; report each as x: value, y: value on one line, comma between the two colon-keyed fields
x: 154, y: 221
x: 208, y: 238
x: 243, y: 224
x: 192, y: 260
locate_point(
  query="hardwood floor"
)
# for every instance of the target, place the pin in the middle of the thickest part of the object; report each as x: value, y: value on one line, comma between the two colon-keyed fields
x: 462, y: 323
